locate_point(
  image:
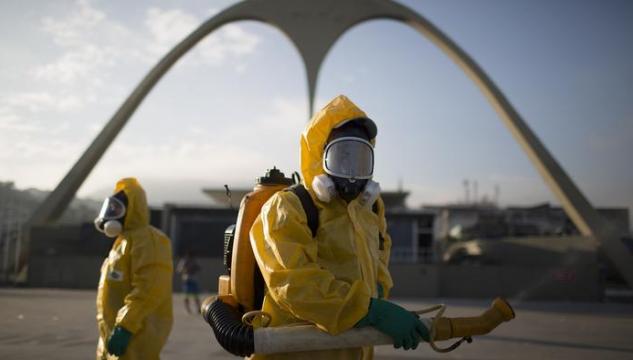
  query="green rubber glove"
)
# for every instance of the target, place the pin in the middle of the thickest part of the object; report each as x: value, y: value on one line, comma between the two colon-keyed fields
x: 402, y: 326
x: 381, y: 291
x: 118, y: 341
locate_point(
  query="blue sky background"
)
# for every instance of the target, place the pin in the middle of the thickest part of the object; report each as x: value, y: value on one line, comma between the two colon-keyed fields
x: 237, y: 104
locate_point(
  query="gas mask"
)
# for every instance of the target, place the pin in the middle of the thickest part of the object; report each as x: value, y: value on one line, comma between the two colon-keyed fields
x: 325, y: 189
x: 348, y: 189
x: 348, y: 161
x: 112, y: 215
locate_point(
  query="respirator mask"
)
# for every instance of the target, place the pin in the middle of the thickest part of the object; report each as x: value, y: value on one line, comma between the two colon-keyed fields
x: 348, y: 161
x: 112, y: 215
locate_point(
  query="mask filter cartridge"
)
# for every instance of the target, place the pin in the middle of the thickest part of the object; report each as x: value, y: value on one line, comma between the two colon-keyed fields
x: 323, y: 187
x: 370, y: 193
x: 112, y: 228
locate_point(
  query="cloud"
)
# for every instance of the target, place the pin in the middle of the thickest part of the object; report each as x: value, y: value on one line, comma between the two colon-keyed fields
x: 10, y: 123
x: 93, y: 56
x: 231, y: 41
x: 46, y: 151
x: 94, y: 46
x: 40, y: 101
x: 24, y: 114
x: 90, y: 44
x: 81, y: 64
x: 73, y: 29
x: 91, y: 47
x: 168, y: 27
x: 95, y: 52
x: 210, y: 156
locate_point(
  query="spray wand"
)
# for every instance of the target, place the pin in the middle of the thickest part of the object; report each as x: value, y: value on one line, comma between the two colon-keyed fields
x: 246, y: 334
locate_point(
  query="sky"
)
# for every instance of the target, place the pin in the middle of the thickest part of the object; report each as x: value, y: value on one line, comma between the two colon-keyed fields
x: 237, y: 103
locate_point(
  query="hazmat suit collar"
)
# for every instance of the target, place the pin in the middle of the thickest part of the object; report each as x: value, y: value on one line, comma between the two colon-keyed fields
x: 315, y: 135
x: 137, y: 212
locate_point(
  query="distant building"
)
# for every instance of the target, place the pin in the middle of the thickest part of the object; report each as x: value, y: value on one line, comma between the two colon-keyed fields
x: 475, y: 221
x: 197, y: 229
x: 540, y: 235
x: 392, y: 199
x: 201, y: 229
x: 16, y: 206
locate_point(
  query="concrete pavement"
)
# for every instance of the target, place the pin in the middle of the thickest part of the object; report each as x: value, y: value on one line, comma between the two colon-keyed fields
x: 60, y: 324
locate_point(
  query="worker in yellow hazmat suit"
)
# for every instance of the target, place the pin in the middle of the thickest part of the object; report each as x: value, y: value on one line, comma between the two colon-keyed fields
x: 134, y: 307
x: 337, y: 279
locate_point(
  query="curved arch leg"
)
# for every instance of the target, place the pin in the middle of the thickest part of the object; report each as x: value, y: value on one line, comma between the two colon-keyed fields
x: 575, y: 204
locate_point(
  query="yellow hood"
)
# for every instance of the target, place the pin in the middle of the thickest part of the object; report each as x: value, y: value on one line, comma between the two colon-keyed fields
x: 316, y: 133
x: 137, y: 212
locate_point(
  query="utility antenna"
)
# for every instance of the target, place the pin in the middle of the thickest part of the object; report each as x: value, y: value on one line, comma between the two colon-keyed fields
x: 228, y: 195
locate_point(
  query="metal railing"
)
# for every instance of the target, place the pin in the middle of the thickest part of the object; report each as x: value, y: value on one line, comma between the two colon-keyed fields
x: 12, y: 218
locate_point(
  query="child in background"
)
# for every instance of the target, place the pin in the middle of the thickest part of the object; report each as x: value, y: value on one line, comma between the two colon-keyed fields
x: 188, y: 267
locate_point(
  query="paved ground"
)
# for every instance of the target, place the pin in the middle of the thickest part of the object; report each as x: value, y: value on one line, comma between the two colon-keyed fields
x: 60, y: 324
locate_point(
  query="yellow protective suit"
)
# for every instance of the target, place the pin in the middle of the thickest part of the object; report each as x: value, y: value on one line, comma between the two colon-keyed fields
x: 326, y: 280
x: 136, y: 282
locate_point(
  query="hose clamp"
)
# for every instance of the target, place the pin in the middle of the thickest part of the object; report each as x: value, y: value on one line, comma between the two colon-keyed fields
x: 249, y: 318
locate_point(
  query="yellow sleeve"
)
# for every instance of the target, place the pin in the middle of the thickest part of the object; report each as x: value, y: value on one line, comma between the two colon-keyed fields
x: 384, y: 276
x: 151, y: 269
x: 286, y: 254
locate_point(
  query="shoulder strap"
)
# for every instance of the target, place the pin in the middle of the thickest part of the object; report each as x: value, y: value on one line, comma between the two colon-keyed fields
x: 381, y: 239
x: 312, y: 213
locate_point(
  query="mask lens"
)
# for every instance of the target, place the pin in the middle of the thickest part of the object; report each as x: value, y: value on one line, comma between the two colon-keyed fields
x: 350, y: 158
x: 111, y: 209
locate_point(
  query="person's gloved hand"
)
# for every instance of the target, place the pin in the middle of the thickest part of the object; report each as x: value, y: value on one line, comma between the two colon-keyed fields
x: 118, y: 341
x: 381, y: 291
x: 402, y: 326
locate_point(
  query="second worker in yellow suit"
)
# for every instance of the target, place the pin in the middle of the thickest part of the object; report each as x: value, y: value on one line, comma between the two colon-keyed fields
x: 134, y: 307
x: 339, y: 278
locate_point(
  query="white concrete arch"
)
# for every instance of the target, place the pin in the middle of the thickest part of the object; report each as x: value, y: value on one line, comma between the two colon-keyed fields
x: 313, y: 27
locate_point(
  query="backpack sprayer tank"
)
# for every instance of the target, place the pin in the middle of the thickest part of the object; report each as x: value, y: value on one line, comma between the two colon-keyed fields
x: 242, y: 289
